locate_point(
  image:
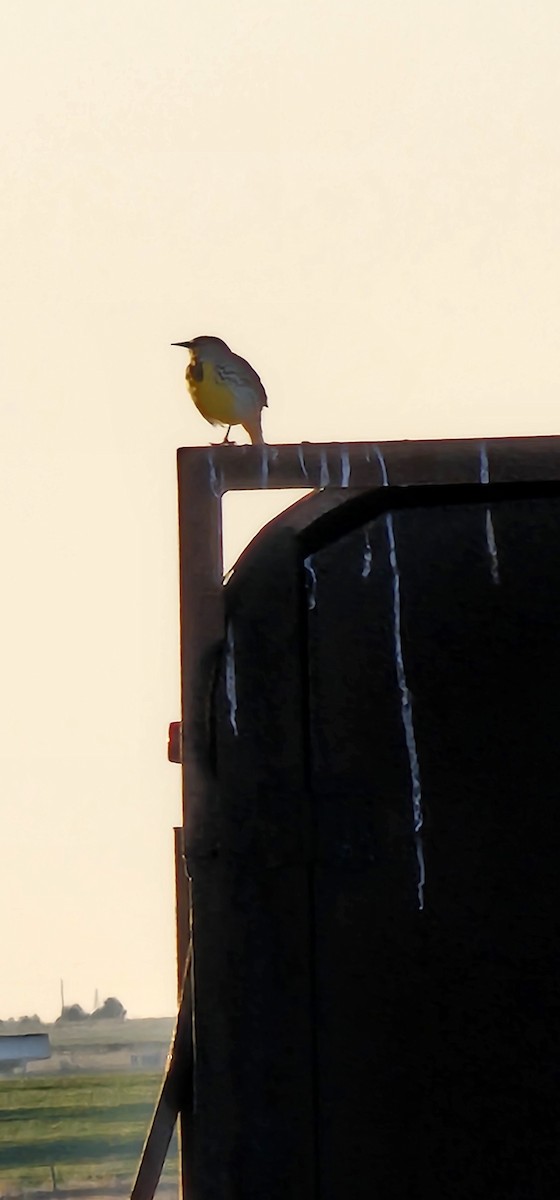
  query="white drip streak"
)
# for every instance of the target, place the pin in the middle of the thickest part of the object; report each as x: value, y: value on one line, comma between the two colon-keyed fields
x: 324, y: 477
x: 406, y: 700
x: 264, y: 466
x: 368, y: 556
x: 311, y: 583
x: 344, y: 467
x: 231, y: 685
x: 302, y: 461
x: 484, y: 468
x: 490, y: 534
x: 214, y: 485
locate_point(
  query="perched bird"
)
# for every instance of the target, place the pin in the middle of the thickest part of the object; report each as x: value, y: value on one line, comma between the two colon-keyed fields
x: 224, y: 387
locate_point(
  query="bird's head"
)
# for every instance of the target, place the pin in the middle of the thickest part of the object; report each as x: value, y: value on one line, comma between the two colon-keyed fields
x: 205, y: 346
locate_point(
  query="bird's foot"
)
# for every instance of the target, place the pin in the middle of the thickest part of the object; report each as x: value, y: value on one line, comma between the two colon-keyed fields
x: 225, y: 441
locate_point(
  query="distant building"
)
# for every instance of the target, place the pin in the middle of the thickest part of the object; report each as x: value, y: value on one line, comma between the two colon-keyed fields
x: 17, y: 1049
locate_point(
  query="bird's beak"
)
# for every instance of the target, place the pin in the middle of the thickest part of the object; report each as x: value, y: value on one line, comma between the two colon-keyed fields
x: 187, y: 345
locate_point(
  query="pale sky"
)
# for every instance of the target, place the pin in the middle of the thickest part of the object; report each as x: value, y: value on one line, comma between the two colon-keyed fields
x: 360, y: 196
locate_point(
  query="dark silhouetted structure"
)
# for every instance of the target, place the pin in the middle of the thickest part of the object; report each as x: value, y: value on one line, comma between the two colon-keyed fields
x: 372, y: 824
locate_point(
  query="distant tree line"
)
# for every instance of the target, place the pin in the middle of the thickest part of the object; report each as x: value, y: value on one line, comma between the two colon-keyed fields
x: 111, y: 1010
x: 21, y: 1022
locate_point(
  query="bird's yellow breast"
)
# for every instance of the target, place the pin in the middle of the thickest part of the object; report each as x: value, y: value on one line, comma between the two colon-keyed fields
x: 213, y: 398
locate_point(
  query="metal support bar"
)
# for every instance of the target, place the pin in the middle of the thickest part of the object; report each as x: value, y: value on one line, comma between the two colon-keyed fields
x: 175, y: 1098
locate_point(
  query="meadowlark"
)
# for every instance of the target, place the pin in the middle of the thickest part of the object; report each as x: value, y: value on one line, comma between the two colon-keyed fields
x: 225, y: 388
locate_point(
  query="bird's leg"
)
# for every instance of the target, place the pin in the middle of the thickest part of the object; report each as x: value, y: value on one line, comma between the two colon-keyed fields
x: 225, y: 441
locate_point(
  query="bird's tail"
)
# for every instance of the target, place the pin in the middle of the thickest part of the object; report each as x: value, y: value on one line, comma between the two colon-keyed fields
x: 253, y: 426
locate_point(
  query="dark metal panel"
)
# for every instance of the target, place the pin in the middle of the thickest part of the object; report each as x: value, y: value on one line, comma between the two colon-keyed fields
x: 254, y: 1128
x: 439, y: 1032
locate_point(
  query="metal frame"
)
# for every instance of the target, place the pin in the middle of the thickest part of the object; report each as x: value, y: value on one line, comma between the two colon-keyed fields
x: 332, y: 471
x: 205, y: 474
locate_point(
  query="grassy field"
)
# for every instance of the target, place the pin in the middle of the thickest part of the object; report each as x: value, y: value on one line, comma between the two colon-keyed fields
x: 84, y: 1123
x: 89, y: 1128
